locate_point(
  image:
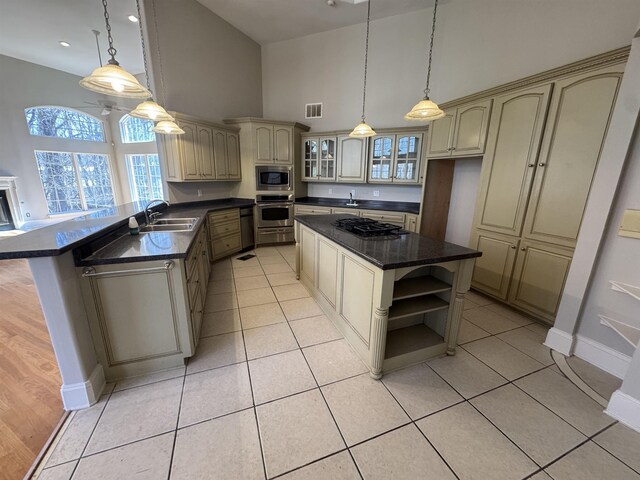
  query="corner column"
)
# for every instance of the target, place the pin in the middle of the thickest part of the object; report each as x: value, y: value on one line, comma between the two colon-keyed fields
x: 378, y: 341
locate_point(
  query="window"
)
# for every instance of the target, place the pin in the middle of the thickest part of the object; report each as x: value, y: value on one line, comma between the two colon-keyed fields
x: 61, y: 122
x: 136, y: 130
x: 144, y: 177
x: 74, y: 182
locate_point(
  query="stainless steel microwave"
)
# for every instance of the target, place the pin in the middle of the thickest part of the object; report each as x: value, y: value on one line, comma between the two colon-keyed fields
x: 271, y: 178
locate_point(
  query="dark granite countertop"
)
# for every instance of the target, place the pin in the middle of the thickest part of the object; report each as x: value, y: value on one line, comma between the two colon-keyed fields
x: 72, y: 234
x: 386, y: 253
x: 406, y: 207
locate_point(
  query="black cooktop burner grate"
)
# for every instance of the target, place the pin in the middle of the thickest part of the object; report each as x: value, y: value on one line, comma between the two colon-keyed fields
x: 366, y: 227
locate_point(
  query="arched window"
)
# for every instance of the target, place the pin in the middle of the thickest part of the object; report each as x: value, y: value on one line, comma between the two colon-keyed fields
x: 62, y: 122
x: 136, y: 130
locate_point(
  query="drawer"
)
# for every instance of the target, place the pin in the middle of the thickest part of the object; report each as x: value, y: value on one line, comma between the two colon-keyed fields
x: 312, y: 210
x: 192, y: 259
x: 224, y: 216
x: 387, y: 217
x: 226, y: 245
x: 347, y: 211
x: 193, y: 286
x: 226, y: 228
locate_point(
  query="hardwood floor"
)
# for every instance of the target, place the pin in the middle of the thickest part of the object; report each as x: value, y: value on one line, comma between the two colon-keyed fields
x: 30, y: 404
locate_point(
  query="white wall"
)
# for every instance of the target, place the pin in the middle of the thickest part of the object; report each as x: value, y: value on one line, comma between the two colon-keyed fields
x: 479, y: 44
x: 464, y: 190
x: 23, y: 85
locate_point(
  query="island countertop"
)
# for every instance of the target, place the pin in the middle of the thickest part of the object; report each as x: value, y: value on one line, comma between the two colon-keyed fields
x: 61, y: 237
x: 386, y: 253
x: 405, y: 207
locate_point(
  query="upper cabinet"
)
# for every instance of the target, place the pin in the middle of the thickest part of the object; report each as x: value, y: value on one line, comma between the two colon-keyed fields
x: 273, y: 144
x: 352, y: 159
x: 319, y: 159
x: 201, y: 154
x: 462, y: 132
x: 396, y: 158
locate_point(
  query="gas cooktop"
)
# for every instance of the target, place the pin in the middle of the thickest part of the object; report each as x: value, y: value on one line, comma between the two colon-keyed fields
x: 366, y: 227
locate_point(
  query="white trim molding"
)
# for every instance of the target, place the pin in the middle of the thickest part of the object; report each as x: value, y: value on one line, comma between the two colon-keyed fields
x: 624, y: 408
x: 560, y: 341
x: 603, y: 357
x: 85, y: 394
x: 9, y: 184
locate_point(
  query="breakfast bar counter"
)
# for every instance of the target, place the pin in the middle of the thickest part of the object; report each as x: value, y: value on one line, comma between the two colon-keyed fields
x: 397, y: 299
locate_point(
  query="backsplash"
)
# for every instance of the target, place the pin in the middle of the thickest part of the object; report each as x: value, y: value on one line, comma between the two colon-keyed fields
x: 387, y: 193
x: 188, y: 192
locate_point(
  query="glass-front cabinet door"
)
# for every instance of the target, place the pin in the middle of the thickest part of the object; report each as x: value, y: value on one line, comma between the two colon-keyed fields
x: 327, y: 168
x: 381, y: 159
x: 310, y: 159
x: 407, y: 164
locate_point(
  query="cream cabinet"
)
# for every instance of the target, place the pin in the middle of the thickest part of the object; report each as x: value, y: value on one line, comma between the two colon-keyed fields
x: 202, y: 153
x: 132, y: 336
x: 334, y: 157
x: 224, y: 233
x: 408, y: 221
x: 273, y: 143
x: 352, y: 159
x: 462, y: 132
x: 311, y: 210
x: 395, y: 218
x: 395, y: 158
x: 319, y: 159
x: 542, y: 151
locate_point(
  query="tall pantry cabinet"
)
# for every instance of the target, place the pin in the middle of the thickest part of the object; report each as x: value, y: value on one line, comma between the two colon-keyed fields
x: 542, y: 152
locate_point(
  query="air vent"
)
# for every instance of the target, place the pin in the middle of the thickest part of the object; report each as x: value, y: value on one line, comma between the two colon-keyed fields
x: 313, y: 110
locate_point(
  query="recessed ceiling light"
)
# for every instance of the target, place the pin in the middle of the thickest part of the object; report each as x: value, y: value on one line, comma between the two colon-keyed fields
x: 133, y: 18
x: 64, y: 44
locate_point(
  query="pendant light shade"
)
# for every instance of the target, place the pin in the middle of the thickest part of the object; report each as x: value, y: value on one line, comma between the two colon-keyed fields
x: 112, y: 79
x: 168, y: 127
x: 363, y: 130
x: 150, y: 110
x: 426, y: 110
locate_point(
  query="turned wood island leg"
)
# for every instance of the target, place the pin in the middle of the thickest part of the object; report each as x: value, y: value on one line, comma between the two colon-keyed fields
x: 378, y: 341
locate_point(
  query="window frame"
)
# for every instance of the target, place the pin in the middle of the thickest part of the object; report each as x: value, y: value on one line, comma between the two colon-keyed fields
x: 61, y: 107
x: 131, y: 176
x: 121, y: 127
x: 76, y: 171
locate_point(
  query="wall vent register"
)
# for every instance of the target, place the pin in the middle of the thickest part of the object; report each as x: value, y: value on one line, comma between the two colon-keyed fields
x: 313, y: 110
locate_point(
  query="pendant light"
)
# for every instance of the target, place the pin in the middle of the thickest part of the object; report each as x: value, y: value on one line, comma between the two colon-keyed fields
x: 112, y: 79
x: 148, y: 109
x: 363, y: 130
x: 426, y: 110
x: 168, y: 127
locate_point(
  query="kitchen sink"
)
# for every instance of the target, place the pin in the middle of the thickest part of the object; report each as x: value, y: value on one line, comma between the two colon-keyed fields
x: 351, y: 204
x: 174, y: 221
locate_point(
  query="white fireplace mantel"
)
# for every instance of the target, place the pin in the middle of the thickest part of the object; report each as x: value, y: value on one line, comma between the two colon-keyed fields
x: 9, y: 184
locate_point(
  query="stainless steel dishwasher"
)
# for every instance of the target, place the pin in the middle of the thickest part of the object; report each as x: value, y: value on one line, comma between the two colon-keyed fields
x: 246, y: 227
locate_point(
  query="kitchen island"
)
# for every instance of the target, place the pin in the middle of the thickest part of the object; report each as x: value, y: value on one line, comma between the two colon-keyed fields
x: 397, y: 299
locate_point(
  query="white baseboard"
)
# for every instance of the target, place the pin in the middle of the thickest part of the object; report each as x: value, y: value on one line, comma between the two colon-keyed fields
x: 560, y: 341
x: 603, y: 357
x: 85, y: 394
x: 625, y: 408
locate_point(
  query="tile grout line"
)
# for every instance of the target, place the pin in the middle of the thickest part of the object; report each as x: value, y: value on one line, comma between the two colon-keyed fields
x: 175, y: 431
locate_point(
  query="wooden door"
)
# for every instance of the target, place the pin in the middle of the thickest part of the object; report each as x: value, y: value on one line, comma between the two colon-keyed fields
x: 381, y: 159
x: 233, y: 156
x: 205, y: 153
x: 220, y: 154
x: 283, y: 145
x: 510, y: 159
x: 539, y: 277
x: 327, y: 166
x: 352, y: 159
x: 441, y: 135
x: 189, y: 142
x: 577, y: 126
x: 471, y: 126
x: 407, y: 158
x: 264, y: 144
x: 492, y: 272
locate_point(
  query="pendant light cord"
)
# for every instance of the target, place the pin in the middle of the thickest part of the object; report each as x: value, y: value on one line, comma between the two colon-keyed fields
x: 112, y: 51
x: 144, y: 50
x: 433, y: 30
x: 155, y: 25
x: 366, y: 59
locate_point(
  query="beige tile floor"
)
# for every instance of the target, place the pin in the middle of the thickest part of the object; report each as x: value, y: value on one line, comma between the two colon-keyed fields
x: 275, y: 391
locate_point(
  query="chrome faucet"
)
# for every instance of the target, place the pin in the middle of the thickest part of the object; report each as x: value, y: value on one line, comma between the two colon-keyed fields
x: 151, y: 216
x: 350, y: 197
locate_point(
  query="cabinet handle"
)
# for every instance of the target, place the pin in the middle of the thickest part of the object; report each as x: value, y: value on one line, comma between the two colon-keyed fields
x: 541, y: 164
x: 513, y: 247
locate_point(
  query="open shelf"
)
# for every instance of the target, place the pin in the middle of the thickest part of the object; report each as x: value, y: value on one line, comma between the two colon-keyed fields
x: 417, y: 286
x: 415, y: 306
x: 411, y: 339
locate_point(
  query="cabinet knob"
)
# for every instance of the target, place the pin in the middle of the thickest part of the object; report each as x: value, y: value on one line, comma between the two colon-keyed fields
x: 513, y: 247
x: 541, y: 164
x: 532, y: 165
x: 523, y: 249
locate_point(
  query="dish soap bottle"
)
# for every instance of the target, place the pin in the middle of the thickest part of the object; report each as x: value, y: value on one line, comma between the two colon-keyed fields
x: 134, y: 228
